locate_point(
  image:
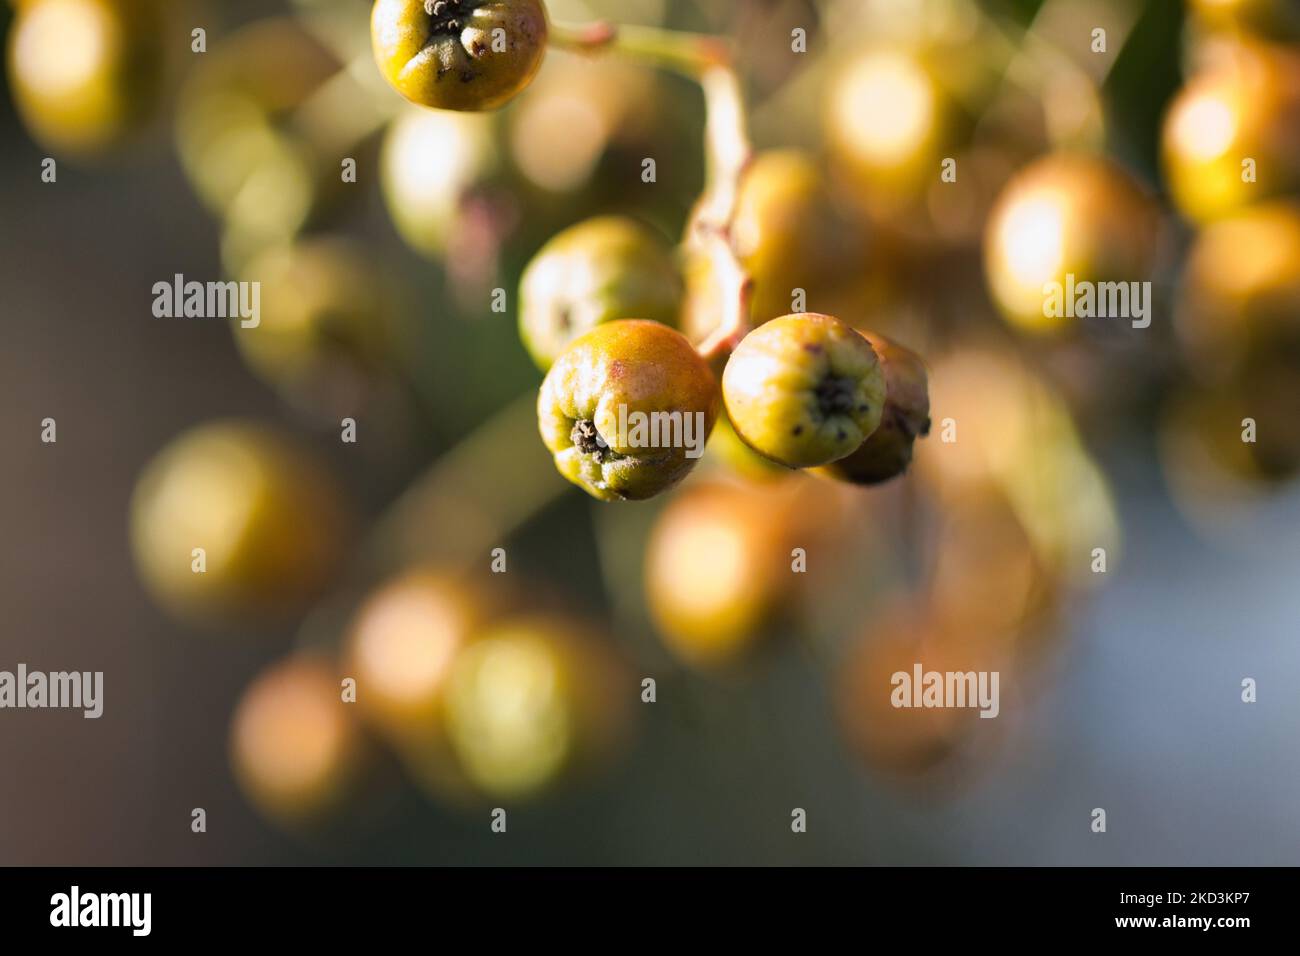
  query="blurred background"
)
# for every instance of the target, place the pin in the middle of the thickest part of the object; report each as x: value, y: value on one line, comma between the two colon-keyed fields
x: 1098, y: 532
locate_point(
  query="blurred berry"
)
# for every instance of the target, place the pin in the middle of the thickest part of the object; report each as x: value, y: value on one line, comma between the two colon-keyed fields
x: 268, y: 517
x: 599, y: 270
x: 296, y: 750
x: 532, y: 701
x: 85, y: 74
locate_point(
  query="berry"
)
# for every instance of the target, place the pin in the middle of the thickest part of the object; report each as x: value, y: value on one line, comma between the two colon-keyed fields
x: 294, y: 746
x: 401, y: 648
x: 326, y: 324
x: 717, y: 570
x: 886, y: 118
x: 432, y: 166
x: 894, y: 114
x: 1247, y: 105
x: 459, y: 54
x: 586, y: 121
x: 804, y: 390
x: 1240, y: 296
x: 264, y: 174
x: 600, y: 270
x: 1276, y: 18
x: 531, y: 701
x: 86, y: 73
x: 888, y: 450
x: 270, y: 521
x: 787, y: 234
x: 1067, y: 214
x: 626, y: 409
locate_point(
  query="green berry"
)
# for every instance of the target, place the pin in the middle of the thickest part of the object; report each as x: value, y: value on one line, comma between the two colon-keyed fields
x: 85, y: 74
x: 233, y: 521
x: 603, y: 269
x: 887, y: 452
x: 626, y: 410
x: 459, y: 54
x: 325, y: 327
x: 804, y: 390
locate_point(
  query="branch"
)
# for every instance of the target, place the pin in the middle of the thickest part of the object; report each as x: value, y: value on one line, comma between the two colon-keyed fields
x: 708, y: 61
x: 689, y: 53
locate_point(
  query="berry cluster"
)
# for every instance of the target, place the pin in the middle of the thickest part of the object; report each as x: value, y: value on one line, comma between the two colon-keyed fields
x: 748, y: 322
x: 803, y: 391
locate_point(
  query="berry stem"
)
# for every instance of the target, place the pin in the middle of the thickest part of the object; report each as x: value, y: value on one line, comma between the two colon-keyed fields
x: 736, y: 287
x: 728, y: 156
x: 707, y: 60
x: 692, y: 54
x: 727, y: 146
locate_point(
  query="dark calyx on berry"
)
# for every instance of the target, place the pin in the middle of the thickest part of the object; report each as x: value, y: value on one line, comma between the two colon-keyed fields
x: 835, y: 396
x: 446, y: 15
x: 587, y: 440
